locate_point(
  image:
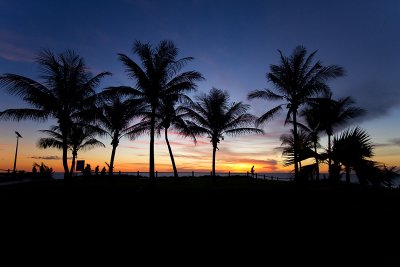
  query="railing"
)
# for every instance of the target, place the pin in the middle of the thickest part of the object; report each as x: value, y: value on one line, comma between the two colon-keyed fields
x: 262, y: 176
x: 145, y: 175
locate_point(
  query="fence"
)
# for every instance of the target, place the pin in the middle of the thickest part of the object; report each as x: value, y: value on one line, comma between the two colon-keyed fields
x: 144, y: 175
x: 262, y: 176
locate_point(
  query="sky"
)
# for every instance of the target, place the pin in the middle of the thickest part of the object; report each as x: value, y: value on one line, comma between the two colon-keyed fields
x: 233, y: 44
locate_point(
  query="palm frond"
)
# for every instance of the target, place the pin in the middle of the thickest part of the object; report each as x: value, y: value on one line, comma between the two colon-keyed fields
x: 269, y: 115
x: 24, y: 113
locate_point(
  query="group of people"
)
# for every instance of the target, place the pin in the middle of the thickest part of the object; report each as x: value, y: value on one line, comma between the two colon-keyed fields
x: 42, y: 169
x: 88, y: 171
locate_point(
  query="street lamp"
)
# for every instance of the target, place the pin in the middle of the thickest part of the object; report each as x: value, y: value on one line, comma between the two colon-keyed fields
x: 16, y: 150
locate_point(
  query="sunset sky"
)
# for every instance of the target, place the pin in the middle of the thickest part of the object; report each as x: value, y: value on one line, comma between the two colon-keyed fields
x: 233, y: 43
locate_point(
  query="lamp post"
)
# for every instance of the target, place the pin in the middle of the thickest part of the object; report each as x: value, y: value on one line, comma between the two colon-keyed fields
x: 16, y: 151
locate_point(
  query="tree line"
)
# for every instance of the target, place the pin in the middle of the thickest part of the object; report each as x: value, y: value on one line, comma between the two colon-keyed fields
x: 158, y: 100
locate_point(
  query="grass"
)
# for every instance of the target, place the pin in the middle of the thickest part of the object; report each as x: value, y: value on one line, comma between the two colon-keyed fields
x: 234, y: 195
x: 236, y: 213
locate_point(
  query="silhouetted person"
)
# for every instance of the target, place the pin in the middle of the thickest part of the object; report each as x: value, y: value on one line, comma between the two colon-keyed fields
x: 103, y: 171
x: 34, y: 170
x: 41, y: 169
x: 252, y: 172
x: 96, y: 170
x: 87, y: 171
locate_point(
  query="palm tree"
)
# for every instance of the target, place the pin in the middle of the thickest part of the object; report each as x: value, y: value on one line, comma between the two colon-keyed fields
x: 116, y: 115
x: 296, y: 79
x: 312, y: 128
x: 213, y: 115
x: 158, y: 76
x: 172, y: 116
x: 305, y: 145
x: 352, y: 150
x: 67, y: 88
x: 332, y: 114
x: 81, y: 137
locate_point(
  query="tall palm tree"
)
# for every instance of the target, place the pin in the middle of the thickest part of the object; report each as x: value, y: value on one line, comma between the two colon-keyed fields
x: 332, y: 114
x: 158, y: 75
x: 66, y: 89
x: 352, y: 149
x: 295, y: 79
x: 117, y: 114
x: 172, y: 116
x: 213, y: 115
x: 81, y: 137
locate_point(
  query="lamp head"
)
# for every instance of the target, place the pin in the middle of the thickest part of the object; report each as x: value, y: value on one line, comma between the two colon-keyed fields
x: 18, y: 135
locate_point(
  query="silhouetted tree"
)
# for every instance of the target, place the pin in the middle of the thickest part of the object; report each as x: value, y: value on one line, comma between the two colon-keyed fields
x: 117, y: 114
x: 304, y: 150
x: 332, y: 114
x: 158, y: 76
x: 171, y: 116
x: 80, y: 137
x: 296, y: 79
x: 213, y: 115
x: 352, y: 150
x: 66, y: 89
x: 312, y: 128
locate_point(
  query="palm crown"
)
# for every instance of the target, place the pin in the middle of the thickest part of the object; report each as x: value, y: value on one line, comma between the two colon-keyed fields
x: 66, y: 91
x: 213, y: 115
x: 157, y: 77
x: 296, y: 79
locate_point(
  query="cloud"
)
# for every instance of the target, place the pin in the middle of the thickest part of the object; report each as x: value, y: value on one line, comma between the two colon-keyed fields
x: 392, y: 142
x: 131, y: 147
x: 381, y: 145
x: 376, y: 98
x: 14, y: 53
x: 395, y: 141
x: 47, y: 157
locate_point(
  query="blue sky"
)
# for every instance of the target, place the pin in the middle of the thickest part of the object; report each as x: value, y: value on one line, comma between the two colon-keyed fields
x: 233, y: 43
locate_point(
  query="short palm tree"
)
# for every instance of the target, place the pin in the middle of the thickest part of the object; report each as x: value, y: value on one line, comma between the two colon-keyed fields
x: 81, y: 137
x: 117, y: 114
x: 213, y: 115
x: 312, y: 127
x: 304, y: 149
x: 158, y: 75
x: 352, y: 150
x: 66, y: 89
x: 296, y: 79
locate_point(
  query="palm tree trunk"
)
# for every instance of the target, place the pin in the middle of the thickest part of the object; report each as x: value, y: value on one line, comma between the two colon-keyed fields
x: 316, y: 162
x: 329, y: 157
x: 74, y: 154
x: 111, y: 168
x: 347, y: 174
x: 152, y: 126
x: 296, y: 166
x: 114, y: 148
x: 213, y: 163
x: 65, y: 160
x: 171, y: 155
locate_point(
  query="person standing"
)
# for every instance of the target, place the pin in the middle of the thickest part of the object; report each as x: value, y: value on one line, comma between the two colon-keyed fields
x: 34, y: 170
x: 96, y: 170
x: 252, y: 172
x: 88, y: 170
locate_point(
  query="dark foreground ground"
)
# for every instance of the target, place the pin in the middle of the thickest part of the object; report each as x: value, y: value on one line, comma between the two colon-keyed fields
x: 257, y: 219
